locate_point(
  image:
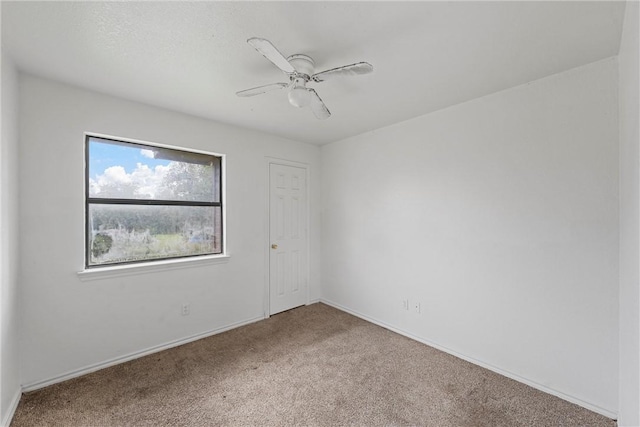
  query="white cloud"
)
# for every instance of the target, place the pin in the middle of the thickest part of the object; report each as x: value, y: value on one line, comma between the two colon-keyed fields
x: 94, y: 187
x: 147, y: 180
x: 144, y: 181
x: 147, y: 153
x: 115, y: 174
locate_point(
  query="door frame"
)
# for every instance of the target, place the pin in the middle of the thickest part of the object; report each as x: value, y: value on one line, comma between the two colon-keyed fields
x: 267, y: 217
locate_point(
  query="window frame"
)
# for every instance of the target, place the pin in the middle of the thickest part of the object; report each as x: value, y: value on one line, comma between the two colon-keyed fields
x: 150, y: 202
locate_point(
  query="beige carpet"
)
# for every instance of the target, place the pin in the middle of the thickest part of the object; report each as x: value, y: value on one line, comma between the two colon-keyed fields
x: 313, y: 365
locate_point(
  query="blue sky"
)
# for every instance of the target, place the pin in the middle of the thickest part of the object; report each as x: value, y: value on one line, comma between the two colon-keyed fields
x: 104, y: 155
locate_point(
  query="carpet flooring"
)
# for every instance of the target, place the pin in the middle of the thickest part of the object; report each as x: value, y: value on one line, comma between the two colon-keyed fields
x: 313, y: 365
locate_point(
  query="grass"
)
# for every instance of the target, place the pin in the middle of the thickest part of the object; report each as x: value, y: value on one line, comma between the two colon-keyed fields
x: 142, y: 246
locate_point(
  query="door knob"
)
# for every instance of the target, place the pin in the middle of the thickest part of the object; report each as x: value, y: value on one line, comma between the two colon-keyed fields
x: 274, y: 246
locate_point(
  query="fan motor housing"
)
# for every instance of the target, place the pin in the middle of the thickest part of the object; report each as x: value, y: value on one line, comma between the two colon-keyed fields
x: 302, y: 63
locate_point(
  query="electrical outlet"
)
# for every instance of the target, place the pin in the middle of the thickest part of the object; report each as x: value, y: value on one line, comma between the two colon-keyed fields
x: 185, y: 309
x: 405, y: 304
x: 416, y: 307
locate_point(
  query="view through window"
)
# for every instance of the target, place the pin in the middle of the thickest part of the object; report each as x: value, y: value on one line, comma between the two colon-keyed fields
x: 145, y: 202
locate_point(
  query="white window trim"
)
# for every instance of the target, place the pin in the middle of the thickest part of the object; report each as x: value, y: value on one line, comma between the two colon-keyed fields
x: 109, y: 272
x: 119, y: 270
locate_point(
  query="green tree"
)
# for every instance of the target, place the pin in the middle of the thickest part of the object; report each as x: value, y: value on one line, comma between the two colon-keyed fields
x: 189, y: 181
x: 101, y: 244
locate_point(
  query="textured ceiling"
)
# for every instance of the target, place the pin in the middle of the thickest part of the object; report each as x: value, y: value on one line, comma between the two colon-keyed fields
x: 193, y: 56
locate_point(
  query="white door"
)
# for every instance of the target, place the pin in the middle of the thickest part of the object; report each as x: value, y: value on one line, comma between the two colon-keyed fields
x: 288, y: 234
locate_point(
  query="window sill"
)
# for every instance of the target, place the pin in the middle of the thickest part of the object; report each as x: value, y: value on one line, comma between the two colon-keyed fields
x: 99, y: 273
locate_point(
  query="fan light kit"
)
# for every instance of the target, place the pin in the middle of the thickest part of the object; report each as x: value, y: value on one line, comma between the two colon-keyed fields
x: 300, y: 70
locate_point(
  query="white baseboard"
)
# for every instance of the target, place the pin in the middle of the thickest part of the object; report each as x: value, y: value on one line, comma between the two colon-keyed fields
x: 6, y: 420
x: 577, y: 401
x: 135, y: 355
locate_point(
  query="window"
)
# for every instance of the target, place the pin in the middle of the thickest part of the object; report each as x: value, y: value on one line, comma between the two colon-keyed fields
x: 145, y: 202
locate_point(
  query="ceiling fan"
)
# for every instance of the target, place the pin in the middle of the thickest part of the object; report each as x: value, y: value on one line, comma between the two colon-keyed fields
x: 300, y: 70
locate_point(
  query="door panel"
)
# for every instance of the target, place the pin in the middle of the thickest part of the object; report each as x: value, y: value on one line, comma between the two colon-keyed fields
x: 288, y: 234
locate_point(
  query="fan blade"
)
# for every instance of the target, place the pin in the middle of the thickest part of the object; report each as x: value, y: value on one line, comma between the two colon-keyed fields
x: 317, y: 106
x: 269, y: 51
x: 262, y: 89
x: 347, y: 70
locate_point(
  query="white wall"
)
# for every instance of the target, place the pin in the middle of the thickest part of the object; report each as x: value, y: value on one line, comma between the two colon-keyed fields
x: 629, y: 412
x: 9, y: 310
x: 500, y: 217
x: 68, y: 324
